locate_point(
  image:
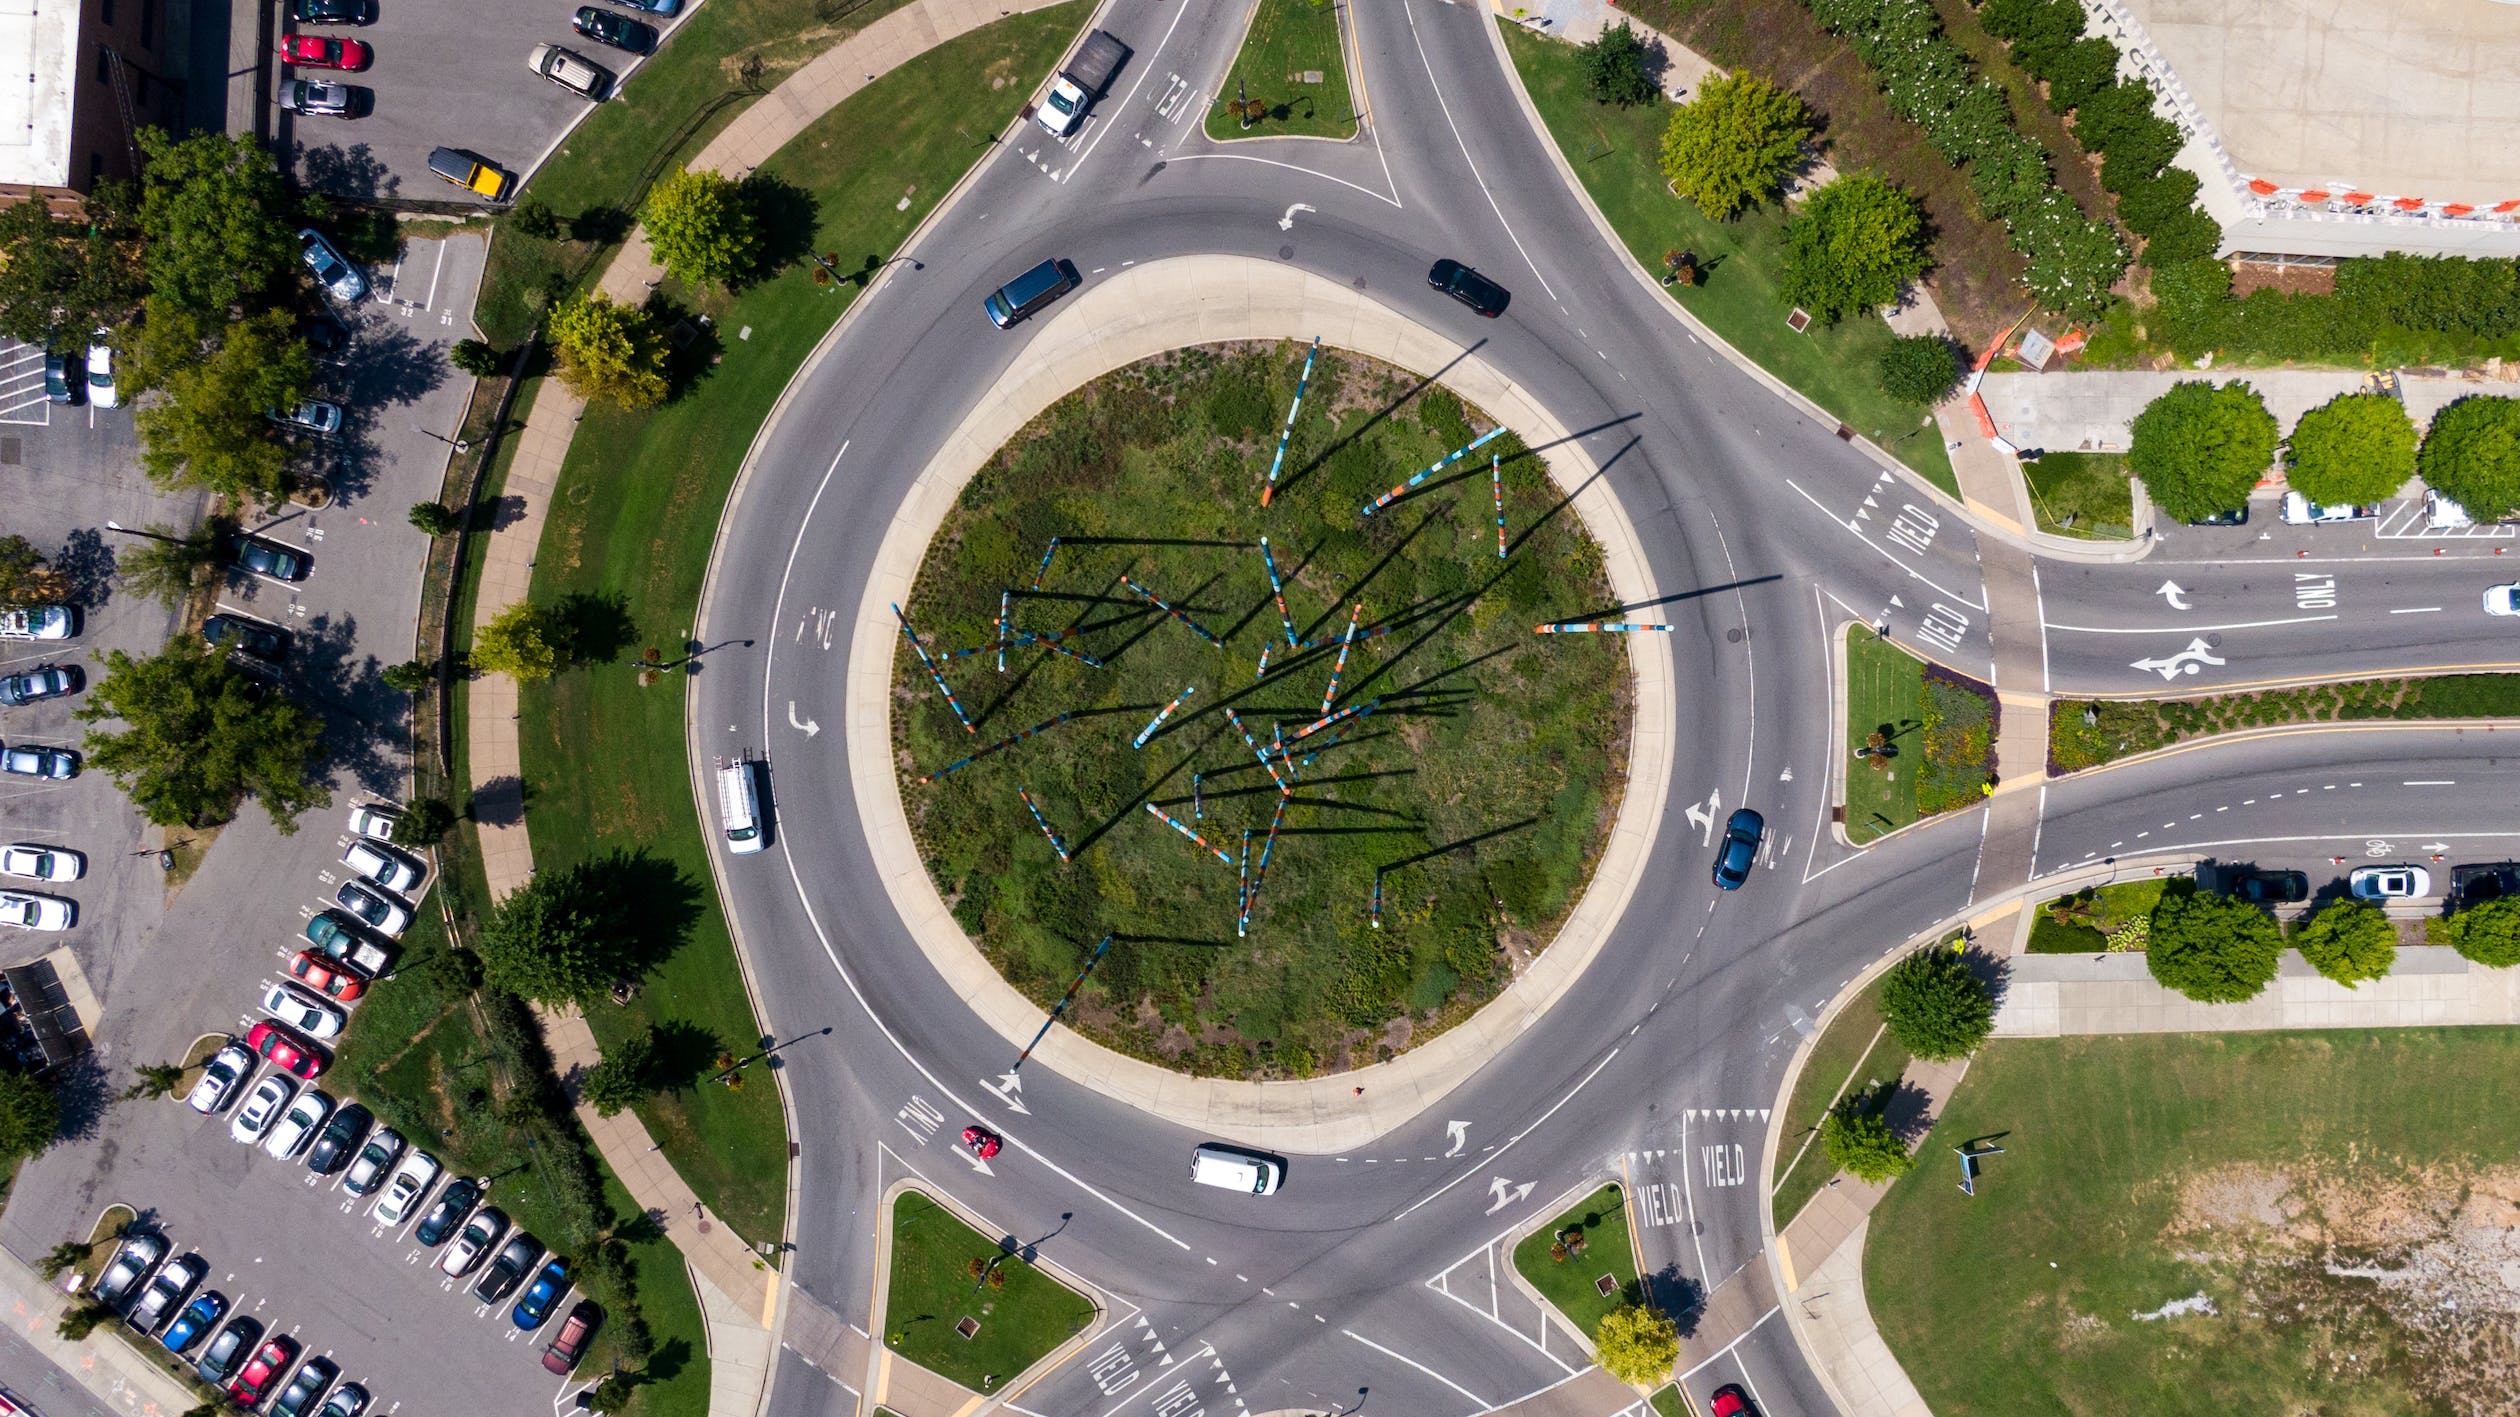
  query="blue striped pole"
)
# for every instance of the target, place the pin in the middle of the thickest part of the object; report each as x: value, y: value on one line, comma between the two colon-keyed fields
x: 1196, y: 628
x: 1496, y: 487
x: 1260, y: 879
x: 1346, y: 643
x: 1279, y: 590
x: 1064, y: 1000
x: 1006, y: 607
x: 1242, y: 889
x: 969, y: 759
x: 1183, y: 827
x: 1158, y: 721
x: 1610, y: 627
x: 1378, y: 900
x: 1045, y: 563
x: 1361, y: 715
x: 1441, y: 463
x: 1198, y: 809
x: 1236, y: 720
x: 934, y: 673
x: 1318, y: 724
x: 1289, y: 431
x: 1263, y: 671
x: 1043, y: 823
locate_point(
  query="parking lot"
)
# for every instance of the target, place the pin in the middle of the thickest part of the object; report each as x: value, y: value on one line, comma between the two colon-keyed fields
x: 443, y: 75
x: 166, y: 970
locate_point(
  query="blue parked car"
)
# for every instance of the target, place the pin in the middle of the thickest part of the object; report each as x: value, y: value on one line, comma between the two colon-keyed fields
x: 1740, y: 849
x: 199, y: 1317
x: 536, y: 1304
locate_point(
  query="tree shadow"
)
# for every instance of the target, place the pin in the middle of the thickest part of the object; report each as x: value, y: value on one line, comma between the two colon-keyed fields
x: 685, y: 1052
x: 85, y: 1094
x: 601, y: 225
x: 1676, y: 1294
x: 499, y: 802
x: 668, y: 1361
x: 692, y: 345
x: 785, y: 215
x: 352, y: 171
x: 363, y: 717
x: 597, y: 625
x: 84, y: 567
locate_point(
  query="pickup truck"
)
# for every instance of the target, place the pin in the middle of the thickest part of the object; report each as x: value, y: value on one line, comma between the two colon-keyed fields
x: 469, y: 172
x: 1080, y: 81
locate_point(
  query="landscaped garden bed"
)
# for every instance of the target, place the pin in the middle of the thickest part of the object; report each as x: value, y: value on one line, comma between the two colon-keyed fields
x: 967, y: 1307
x: 2085, y: 733
x: 1582, y: 1262
x: 1290, y: 42
x: 2097, y: 919
x: 1921, y: 738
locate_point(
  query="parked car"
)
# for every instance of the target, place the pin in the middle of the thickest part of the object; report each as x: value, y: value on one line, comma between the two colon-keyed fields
x: 571, y: 70
x: 100, y: 372
x: 331, y: 979
x: 535, y: 1304
x: 31, y: 760
x: 298, y: 1398
x: 128, y: 1270
x: 1730, y: 1401
x: 613, y: 28
x: 1740, y: 849
x: 373, y: 820
x: 576, y: 1331
x: 261, y: 1108
x: 287, y: 1051
x: 331, y: 270
x: 471, y: 171
x: 219, y: 1360
x: 312, y: 415
x: 1469, y: 287
x: 653, y: 7
x: 246, y: 636
x: 303, y: 1011
x: 37, y: 912
x: 41, y: 863
x: 2270, y: 887
x: 65, y: 378
x: 336, y: 938
x: 2502, y: 600
x: 332, y: 12
x: 254, y: 554
x: 254, y: 1380
x: 2482, y: 881
x: 373, y: 909
x: 166, y: 1293
x: 198, y: 1318
x: 324, y: 51
x: 2389, y: 882
x: 516, y: 1259
x: 407, y: 1189
x: 375, y: 1160
x: 39, y: 622
x: 453, y: 1204
x: 478, y: 1235
x: 2301, y: 511
x: 2237, y: 516
x: 390, y: 869
x: 219, y: 1077
x: 298, y: 1126
x: 340, y: 1140
x: 44, y: 681
x: 347, y: 1400
x: 323, y: 333
x: 325, y: 98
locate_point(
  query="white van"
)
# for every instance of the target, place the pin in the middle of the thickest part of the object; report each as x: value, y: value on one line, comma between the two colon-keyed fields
x: 739, y: 807
x: 1228, y: 1169
x: 2442, y: 514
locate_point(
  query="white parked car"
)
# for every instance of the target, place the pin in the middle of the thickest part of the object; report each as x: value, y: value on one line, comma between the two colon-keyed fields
x: 2442, y: 514
x: 2389, y: 882
x: 36, y: 912
x: 2502, y: 600
x: 100, y: 365
x: 41, y: 863
x: 38, y: 622
x: 410, y: 1185
x: 219, y: 1078
x: 374, y: 821
x: 314, y: 415
x: 262, y: 1107
x: 2301, y: 511
x: 388, y: 869
x: 298, y: 1125
x: 302, y: 1011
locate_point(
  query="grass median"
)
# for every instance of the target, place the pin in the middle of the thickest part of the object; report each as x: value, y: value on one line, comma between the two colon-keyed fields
x: 2086, y: 495
x: 1289, y: 41
x: 1616, y: 153
x: 2261, y: 1222
x: 627, y: 543
x: 1855, y: 1054
x: 1568, y: 1259
x: 2119, y: 728
x: 964, y: 1306
x: 1883, y: 683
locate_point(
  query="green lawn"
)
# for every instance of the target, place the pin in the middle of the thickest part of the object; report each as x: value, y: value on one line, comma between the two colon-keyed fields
x: 627, y: 543
x: 2142, y: 1170
x: 1669, y: 1401
x: 1883, y: 685
x: 932, y: 1291
x: 1855, y: 1054
x: 1287, y: 40
x: 2124, y: 727
x: 2083, y: 494
x: 1616, y: 152
x: 1572, y: 1285
x: 2083, y: 922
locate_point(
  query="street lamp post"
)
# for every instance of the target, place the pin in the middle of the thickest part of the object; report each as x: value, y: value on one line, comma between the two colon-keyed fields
x: 458, y: 444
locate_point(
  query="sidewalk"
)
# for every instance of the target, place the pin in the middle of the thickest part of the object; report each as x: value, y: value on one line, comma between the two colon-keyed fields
x: 119, y: 1379
x: 2091, y: 410
x: 2050, y: 996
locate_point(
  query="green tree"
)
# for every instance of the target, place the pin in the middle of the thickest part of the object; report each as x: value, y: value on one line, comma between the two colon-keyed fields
x: 1936, y: 1006
x: 1852, y: 247
x: 22, y: 577
x: 211, y: 219
x: 1728, y: 148
x: 1614, y: 67
x: 556, y: 940
x: 1637, y: 1344
x: 611, y: 352
x: 199, y: 734
x: 609, y: 1396
x: 475, y: 357
x: 434, y: 518
x: 2199, y: 448
x: 1920, y: 368
x: 58, y: 1260
x: 412, y: 677
x: 424, y: 823
x: 214, y: 1407
x: 61, y: 277
x: 622, y: 1078
x: 521, y: 642
x: 532, y: 218
x: 212, y: 430
x: 154, y: 1080
x: 702, y: 227
x: 2353, y: 448
x: 2349, y: 941
x: 2489, y: 933
x: 168, y: 566
x: 1861, y: 1144
x: 2211, y: 948
x: 2472, y: 455
x: 79, y: 1322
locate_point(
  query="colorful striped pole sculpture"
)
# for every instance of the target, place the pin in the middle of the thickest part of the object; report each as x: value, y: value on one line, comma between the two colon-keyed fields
x: 1064, y: 1000
x: 1236, y: 720
x: 1277, y: 736
x: 934, y: 673
x: 1288, y: 431
x: 1278, y: 589
x: 1242, y: 889
x: 1263, y: 671
x: 967, y: 761
x: 1158, y: 721
x: 1006, y: 607
x: 1496, y: 489
x: 1177, y: 824
x: 1198, y: 809
x: 1026, y: 639
x: 1195, y: 626
x: 1043, y: 823
x: 1595, y: 628
x: 1378, y: 900
x: 1045, y: 563
x: 1441, y: 463
x: 1346, y: 642
x: 1318, y: 724
x: 1261, y: 878
x: 1361, y: 715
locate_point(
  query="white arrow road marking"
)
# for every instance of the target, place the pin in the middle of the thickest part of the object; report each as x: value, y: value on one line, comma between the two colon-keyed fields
x: 2434, y: 846
x: 1007, y: 1087
x: 1287, y: 222
x: 2191, y: 660
x: 1460, y: 1136
x: 1705, y: 816
x: 804, y: 725
x: 1507, y: 1193
x: 2177, y: 597
x: 976, y: 1163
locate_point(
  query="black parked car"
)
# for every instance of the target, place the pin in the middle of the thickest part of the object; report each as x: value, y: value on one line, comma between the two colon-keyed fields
x: 2271, y: 887
x: 1469, y: 287
x: 613, y: 28
x: 339, y: 1140
x: 453, y: 1204
x: 298, y: 1398
x: 516, y: 1258
x: 64, y: 376
x: 253, y: 637
x: 333, y: 12
x: 228, y: 1351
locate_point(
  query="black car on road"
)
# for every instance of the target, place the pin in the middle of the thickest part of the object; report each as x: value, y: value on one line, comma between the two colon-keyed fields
x: 1469, y: 287
x: 333, y: 12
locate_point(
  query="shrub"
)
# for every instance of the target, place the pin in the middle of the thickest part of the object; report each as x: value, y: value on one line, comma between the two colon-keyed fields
x: 2212, y: 949
x: 434, y: 518
x: 702, y: 227
x: 2349, y: 941
x: 1920, y: 368
x: 2353, y: 448
x: 1637, y: 1344
x: 474, y: 357
x: 1614, y: 67
x: 1936, y: 1006
x: 609, y: 351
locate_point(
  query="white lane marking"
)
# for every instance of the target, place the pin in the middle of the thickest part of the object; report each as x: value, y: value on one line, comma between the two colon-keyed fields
x: 2188, y: 629
x: 2418, y: 610
x: 1885, y: 553
x: 1291, y: 167
x: 1480, y: 177
x: 1107, y: 125
x: 1421, y: 1367
x: 2426, y: 782
x: 1518, y: 1136
x: 1718, y: 1354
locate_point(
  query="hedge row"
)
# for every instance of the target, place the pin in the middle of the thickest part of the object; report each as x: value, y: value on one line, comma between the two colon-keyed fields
x: 2114, y: 120
x: 2130, y: 726
x: 1929, y: 81
x: 2420, y: 308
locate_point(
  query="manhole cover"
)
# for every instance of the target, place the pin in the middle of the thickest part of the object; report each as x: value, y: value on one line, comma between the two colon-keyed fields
x: 1733, y: 635
x: 1286, y: 253
x: 2214, y: 640
x: 11, y: 449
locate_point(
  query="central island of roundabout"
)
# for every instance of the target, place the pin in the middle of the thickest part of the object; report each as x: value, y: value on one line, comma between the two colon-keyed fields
x: 1280, y: 763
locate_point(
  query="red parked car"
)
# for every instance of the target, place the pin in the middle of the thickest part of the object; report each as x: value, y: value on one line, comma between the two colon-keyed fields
x: 1730, y: 1401
x: 329, y: 975
x: 288, y: 1052
x: 983, y: 1142
x: 254, y: 1379
x: 324, y: 51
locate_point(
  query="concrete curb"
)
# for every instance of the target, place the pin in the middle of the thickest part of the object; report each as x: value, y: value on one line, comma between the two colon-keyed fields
x: 1137, y: 313
x: 1349, y: 53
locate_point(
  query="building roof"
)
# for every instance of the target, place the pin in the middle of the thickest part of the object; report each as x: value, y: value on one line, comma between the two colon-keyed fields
x: 39, y: 62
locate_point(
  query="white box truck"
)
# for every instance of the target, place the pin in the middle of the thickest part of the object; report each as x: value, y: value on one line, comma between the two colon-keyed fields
x: 1080, y: 81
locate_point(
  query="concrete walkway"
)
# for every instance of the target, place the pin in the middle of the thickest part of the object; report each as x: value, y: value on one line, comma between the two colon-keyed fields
x: 2049, y: 996
x: 2093, y: 410
x: 119, y: 1379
